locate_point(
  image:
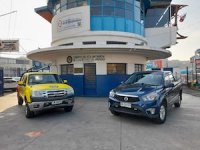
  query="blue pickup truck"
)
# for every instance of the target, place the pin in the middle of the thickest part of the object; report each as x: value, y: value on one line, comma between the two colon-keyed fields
x: 148, y: 93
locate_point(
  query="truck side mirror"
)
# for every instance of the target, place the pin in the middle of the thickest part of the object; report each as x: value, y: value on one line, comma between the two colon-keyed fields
x: 20, y: 83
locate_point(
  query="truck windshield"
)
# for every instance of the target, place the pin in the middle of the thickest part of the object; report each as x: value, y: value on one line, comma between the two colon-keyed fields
x: 151, y: 79
x: 135, y: 77
x: 43, y: 79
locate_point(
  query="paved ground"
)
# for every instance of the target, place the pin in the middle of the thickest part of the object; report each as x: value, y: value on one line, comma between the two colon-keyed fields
x: 193, y: 92
x: 91, y: 127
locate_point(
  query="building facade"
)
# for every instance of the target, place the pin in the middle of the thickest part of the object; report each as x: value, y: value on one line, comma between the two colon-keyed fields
x: 14, y: 67
x: 96, y: 44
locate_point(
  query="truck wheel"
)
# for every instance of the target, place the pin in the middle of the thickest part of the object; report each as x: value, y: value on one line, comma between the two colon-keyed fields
x: 178, y: 104
x: 162, y: 114
x: 29, y: 113
x: 68, y: 108
x: 20, y: 101
x: 115, y: 113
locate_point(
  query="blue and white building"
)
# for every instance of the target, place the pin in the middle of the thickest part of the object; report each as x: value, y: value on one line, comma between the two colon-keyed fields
x: 96, y: 44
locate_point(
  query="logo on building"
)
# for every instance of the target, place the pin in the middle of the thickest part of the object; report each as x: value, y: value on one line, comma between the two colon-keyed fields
x: 69, y: 59
x: 69, y: 22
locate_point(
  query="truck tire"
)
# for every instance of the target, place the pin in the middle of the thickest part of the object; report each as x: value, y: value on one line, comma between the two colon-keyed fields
x: 114, y: 113
x: 68, y: 108
x: 162, y: 114
x: 20, y: 101
x: 178, y: 104
x: 29, y: 113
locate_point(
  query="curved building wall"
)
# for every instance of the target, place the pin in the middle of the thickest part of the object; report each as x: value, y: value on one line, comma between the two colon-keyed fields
x: 109, y: 15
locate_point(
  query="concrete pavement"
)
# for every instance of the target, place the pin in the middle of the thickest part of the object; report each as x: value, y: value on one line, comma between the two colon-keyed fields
x: 91, y: 127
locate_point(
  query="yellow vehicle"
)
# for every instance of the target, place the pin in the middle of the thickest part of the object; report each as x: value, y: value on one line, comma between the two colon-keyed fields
x: 40, y: 90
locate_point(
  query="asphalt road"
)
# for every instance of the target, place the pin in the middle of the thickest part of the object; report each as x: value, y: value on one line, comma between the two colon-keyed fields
x: 91, y: 127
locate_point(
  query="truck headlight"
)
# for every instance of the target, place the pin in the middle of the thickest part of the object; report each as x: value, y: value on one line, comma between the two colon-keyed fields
x: 112, y: 93
x: 150, y: 97
x: 70, y: 91
x: 37, y: 93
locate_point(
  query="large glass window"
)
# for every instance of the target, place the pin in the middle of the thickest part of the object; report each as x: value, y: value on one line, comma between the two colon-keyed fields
x: 109, y: 2
x: 67, y: 69
x: 96, y: 10
x: 116, y: 68
x: 96, y: 2
x: 114, y: 8
x: 108, y: 11
x: 120, y: 4
x: 67, y: 4
x: 119, y: 12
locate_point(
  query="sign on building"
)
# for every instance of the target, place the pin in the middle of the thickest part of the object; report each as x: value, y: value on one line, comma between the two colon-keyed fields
x: 9, y: 45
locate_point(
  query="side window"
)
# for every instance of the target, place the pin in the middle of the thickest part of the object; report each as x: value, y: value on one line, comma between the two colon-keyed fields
x: 167, y: 79
x: 22, y: 78
x: 25, y: 79
x: 171, y: 77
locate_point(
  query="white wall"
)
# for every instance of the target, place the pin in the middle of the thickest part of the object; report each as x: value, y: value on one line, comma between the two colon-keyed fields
x: 161, y: 37
x: 101, y: 66
x: 70, y: 22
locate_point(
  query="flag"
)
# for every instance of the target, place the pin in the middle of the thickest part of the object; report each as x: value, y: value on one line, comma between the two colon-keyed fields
x: 182, y: 18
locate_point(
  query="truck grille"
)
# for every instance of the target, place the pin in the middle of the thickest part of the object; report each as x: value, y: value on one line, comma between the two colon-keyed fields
x: 56, y: 93
x: 126, y: 98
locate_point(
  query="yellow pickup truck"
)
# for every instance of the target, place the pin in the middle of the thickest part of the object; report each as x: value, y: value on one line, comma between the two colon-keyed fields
x: 41, y: 90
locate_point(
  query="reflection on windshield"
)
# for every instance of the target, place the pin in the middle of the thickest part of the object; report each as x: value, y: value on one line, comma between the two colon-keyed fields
x: 135, y: 77
x: 43, y: 79
x: 151, y: 79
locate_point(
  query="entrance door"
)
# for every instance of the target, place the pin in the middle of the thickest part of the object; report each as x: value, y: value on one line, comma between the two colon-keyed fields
x: 90, y: 79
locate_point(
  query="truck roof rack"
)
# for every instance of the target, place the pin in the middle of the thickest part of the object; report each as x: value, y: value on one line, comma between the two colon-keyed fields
x: 32, y: 69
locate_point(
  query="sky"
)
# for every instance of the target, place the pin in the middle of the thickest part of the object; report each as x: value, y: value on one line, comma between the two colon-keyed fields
x: 35, y: 32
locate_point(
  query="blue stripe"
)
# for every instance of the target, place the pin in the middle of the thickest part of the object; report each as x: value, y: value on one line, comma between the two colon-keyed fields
x: 104, y: 83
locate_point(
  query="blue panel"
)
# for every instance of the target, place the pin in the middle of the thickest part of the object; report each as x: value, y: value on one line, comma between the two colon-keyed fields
x: 129, y: 26
x: 76, y: 81
x: 107, y: 82
x: 109, y: 23
x: 104, y: 84
x: 120, y: 24
x: 137, y: 28
x: 96, y: 23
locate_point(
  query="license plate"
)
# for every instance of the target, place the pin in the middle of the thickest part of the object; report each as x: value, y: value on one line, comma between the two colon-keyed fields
x: 56, y: 102
x: 122, y: 104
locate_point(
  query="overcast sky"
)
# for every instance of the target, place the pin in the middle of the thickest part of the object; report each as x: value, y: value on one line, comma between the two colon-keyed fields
x: 33, y: 31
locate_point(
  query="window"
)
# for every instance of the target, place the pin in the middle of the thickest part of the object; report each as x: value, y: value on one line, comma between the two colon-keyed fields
x: 117, y: 68
x: 119, y: 12
x: 109, y: 2
x: 96, y: 2
x: 96, y: 11
x: 169, y: 78
x: 67, y: 4
x: 67, y: 69
x: 108, y: 11
x: 120, y: 4
x: 138, y: 67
